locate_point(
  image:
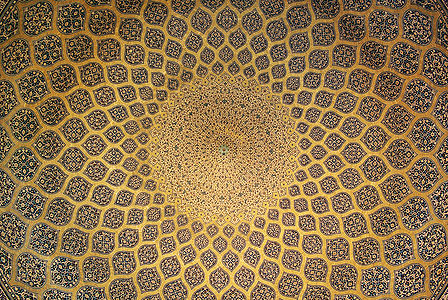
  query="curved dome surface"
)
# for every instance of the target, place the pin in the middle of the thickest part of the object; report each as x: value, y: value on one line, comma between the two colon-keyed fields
x: 223, y: 149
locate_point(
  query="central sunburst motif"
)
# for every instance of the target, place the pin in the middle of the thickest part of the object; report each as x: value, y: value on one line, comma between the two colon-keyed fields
x: 224, y: 147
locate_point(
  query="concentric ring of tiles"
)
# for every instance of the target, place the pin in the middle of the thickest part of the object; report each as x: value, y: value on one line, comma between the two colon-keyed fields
x: 345, y: 103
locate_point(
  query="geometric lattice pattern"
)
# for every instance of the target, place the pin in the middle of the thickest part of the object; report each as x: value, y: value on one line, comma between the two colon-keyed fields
x: 223, y: 149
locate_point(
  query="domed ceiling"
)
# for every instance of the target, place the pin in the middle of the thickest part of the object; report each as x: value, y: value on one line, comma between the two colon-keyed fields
x: 223, y: 149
